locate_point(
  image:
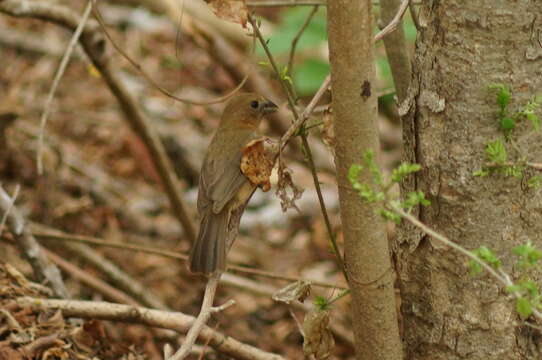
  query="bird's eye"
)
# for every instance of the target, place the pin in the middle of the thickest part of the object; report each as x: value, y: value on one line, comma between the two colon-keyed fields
x: 254, y: 104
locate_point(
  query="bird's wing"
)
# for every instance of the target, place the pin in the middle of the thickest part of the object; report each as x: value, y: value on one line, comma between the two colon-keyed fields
x: 221, y: 178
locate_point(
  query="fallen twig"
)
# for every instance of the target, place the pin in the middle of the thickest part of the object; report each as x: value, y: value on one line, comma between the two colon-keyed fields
x: 157, y: 318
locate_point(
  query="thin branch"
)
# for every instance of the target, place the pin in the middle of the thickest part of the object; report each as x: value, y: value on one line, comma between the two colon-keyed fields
x: 298, y: 36
x: 298, y: 124
x: 41, y: 232
x: 205, y: 313
x: 157, y: 318
x: 394, y: 22
x: 60, y: 71
x: 331, y: 235
x: 147, y: 77
x: 43, y: 268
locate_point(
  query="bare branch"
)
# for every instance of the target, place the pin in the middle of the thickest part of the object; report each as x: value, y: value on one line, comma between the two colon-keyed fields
x: 205, y: 313
x: 60, y: 71
x: 157, y: 318
x: 394, y: 22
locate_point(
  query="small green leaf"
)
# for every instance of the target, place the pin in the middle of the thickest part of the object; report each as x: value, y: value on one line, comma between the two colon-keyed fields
x: 475, y: 267
x: 321, y: 302
x: 523, y: 307
x: 534, y: 182
x: 507, y: 124
x: 496, y: 152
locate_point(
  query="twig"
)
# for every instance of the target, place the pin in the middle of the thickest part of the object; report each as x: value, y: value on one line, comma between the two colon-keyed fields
x: 94, y: 45
x: 393, y: 23
x: 205, y: 313
x: 60, y: 71
x: 42, y: 266
x: 331, y: 235
x: 298, y: 36
x: 41, y: 232
x: 298, y: 124
x: 147, y: 77
x: 157, y: 318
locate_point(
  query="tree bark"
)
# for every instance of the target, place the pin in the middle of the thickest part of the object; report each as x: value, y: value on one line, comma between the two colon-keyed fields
x: 462, y: 48
x: 366, y: 247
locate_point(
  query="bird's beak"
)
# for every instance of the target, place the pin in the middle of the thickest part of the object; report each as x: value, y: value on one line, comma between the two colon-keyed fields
x: 269, y: 107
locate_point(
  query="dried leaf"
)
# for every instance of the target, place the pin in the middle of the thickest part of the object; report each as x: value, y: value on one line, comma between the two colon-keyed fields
x: 318, y: 339
x: 258, y: 160
x: 230, y: 10
x: 297, y: 291
x: 286, y: 182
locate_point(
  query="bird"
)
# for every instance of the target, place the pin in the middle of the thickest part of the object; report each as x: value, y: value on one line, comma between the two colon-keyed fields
x: 223, y: 189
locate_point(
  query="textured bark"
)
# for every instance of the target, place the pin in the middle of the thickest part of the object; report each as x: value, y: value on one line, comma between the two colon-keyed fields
x: 463, y: 47
x: 367, y: 259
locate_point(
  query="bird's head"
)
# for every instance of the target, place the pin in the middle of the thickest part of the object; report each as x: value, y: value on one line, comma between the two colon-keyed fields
x: 246, y: 110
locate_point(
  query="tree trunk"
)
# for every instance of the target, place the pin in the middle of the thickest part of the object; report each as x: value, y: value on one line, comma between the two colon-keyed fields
x: 366, y: 248
x: 462, y: 48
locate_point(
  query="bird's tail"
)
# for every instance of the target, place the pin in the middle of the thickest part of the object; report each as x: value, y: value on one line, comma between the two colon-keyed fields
x: 208, y: 253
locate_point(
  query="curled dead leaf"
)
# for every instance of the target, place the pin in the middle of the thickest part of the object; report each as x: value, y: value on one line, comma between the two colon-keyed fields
x: 258, y: 160
x: 297, y: 291
x: 230, y: 10
x: 318, y: 339
x: 287, y: 191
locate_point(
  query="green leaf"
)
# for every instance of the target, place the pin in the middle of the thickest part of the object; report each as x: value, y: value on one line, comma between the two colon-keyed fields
x: 321, y: 302
x: 496, y: 152
x: 481, y: 173
x: 528, y: 253
x: 405, y: 169
x: 507, y: 124
x: 534, y: 182
x: 309, y: 76
x: 485, y: 254
x: 503, y: 96
x: 523, y: 307
x: 475, y: 267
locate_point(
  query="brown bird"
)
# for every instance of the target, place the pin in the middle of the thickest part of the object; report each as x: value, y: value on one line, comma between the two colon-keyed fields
x: 223, y: 190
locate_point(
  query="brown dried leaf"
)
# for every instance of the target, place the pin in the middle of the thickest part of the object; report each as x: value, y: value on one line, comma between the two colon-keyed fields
x: 258, y: 160
x: 286, y: 182
x: 230, y: 10
x: 318, y: 339
x: 297, y: 291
